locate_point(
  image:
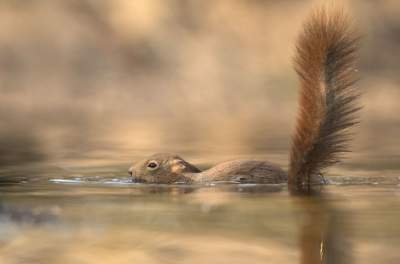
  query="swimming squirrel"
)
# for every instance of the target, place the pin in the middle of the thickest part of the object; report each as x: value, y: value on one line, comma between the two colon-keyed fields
x: 328, y: 104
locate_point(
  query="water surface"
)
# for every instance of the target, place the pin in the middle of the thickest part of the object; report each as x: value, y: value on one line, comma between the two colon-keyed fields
x: 66, y: 212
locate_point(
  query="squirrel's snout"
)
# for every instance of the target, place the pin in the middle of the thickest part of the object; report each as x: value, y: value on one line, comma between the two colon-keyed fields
x: 130, y: 171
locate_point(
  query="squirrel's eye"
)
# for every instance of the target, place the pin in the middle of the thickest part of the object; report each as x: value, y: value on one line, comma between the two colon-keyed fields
x: 152, y: 165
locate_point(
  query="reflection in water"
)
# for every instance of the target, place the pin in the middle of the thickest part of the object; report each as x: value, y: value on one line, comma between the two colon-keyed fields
x: 88, y: 222
x: 21, y: 215
x: 322, y: 240
x: 336, y: 245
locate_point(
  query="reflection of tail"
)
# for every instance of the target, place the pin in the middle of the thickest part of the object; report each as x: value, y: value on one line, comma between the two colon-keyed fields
x: 325, y: 64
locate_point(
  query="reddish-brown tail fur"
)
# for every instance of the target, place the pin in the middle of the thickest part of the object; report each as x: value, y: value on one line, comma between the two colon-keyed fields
x: 325, y: 64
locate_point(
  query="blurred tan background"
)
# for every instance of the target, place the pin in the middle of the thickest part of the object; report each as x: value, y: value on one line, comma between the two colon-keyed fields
x: 114, y: 79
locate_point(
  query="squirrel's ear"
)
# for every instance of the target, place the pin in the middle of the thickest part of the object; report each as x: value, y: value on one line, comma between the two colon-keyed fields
x: 177, y: 166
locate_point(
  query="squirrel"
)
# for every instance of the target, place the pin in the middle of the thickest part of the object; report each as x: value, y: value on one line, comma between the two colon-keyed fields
x: 325, y: 62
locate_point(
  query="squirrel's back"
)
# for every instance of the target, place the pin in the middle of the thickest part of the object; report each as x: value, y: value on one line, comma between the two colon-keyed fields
x: 243, y: 171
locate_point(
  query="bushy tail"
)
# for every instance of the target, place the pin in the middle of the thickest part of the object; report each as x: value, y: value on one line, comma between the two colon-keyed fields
x: 325, y: 64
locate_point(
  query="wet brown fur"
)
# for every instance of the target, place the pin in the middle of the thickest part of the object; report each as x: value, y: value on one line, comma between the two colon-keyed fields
x: 325, y: 63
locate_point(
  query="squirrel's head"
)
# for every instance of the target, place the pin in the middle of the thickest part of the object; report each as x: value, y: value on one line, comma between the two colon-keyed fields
x: 161, y: 168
